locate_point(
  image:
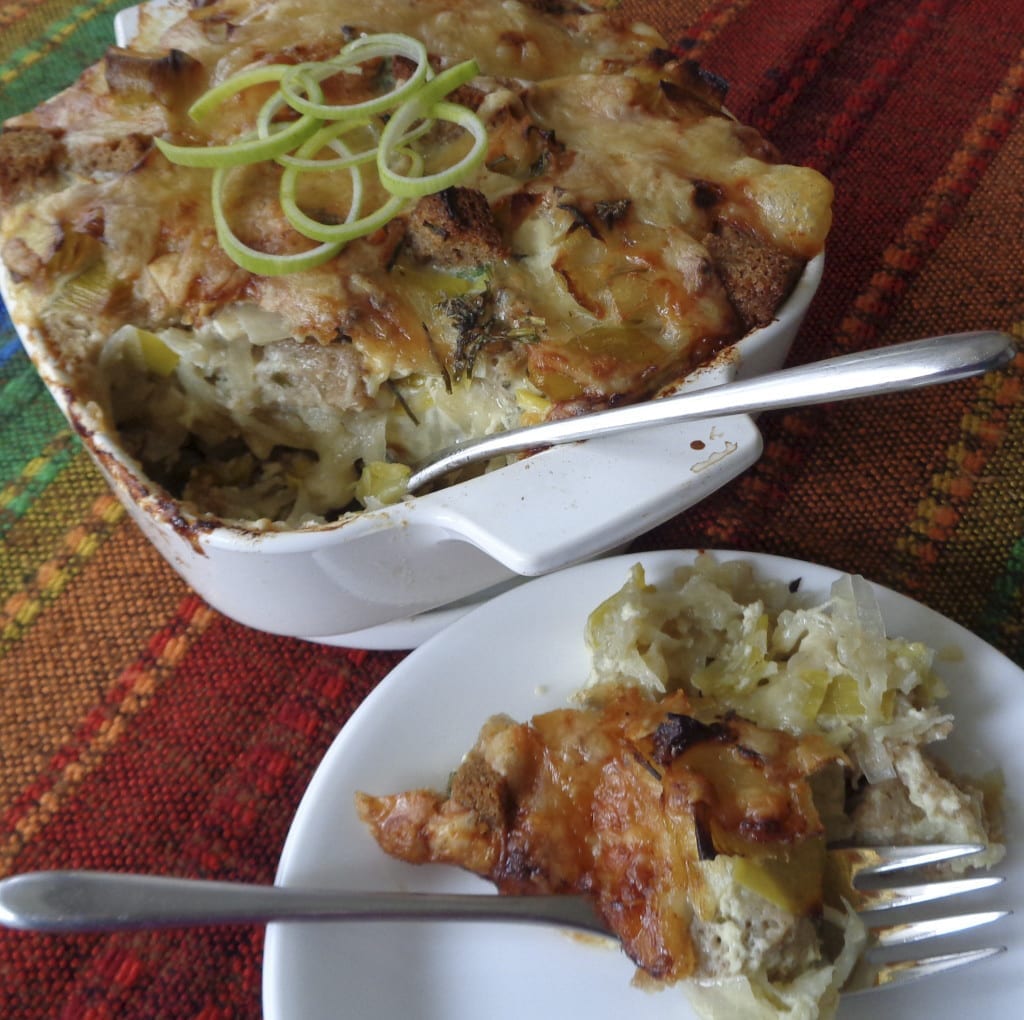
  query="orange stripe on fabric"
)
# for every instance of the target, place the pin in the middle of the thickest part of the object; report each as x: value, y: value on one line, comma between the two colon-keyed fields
x: 861, y: 103
x: 708, y: 26
x: 102, y: 728
x: 12, y: 13
x: 805, y: 69
x: 924, y: 230
x: 939, y: 514
x: 80, y: 544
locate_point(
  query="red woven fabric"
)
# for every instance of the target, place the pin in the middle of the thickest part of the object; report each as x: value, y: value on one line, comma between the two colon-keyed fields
x: 140, y: 730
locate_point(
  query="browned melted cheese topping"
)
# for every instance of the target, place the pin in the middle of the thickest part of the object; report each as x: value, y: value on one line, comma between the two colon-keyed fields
x: 622, y: 802
x: 622, y: 230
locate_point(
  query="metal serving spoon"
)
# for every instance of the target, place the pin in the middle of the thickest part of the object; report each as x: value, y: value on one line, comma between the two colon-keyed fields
x: 887, y: 370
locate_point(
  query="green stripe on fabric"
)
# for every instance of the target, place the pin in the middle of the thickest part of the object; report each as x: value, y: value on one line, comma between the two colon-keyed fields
x: 18, y: 496
x: 1001, y: 624
x: 23, y: 397
x: 17, y: 394
x: 52, y: 62
x: 36, y: 444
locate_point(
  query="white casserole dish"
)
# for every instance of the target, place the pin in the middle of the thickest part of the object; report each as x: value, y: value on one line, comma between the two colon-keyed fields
x: 389, y: 578
x: 376, y: 579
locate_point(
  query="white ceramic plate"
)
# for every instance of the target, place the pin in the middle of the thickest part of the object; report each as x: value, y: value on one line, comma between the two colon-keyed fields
x: 523, y: 653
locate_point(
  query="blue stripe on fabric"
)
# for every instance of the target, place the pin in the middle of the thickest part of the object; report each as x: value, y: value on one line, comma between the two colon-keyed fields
x: 9, y: 342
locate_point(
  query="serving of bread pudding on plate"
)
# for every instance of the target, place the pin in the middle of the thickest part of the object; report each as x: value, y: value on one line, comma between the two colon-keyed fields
x: 282, y: 250
x: 729, y: 733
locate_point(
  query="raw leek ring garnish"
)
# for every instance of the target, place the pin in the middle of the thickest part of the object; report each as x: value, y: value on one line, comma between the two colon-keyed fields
x: 328, y: 136
x: 255, y: 261
x: 388, y: 44
x: 407, y: 186
x: 410, y: 110
x: 254, y: 148
x: 212, y: 99
x: 265, y: 124
x: 354, y: 225
x: 443, y: 83
x: 304, y: 224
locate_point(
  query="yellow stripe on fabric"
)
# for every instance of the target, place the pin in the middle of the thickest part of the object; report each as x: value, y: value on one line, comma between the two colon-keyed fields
x: 79, y: 545
x: 53, y: 676
x: 21, y: 21
x: 139, y: 683
x: 938, y: 515
x: 43, y: 43
x: 39, y: 531
x: 17, y: 495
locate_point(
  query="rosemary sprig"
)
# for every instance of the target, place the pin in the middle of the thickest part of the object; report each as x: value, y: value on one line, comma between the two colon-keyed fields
x: 478, y: 327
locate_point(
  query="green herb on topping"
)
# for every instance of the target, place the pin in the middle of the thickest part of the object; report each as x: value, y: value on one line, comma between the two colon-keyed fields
x: 477, y: 327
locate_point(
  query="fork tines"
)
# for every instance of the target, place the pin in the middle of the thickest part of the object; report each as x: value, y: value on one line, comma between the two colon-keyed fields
x: 851, y: 864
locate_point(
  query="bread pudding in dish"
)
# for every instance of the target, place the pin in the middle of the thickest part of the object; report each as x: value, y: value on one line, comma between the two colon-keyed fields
x: 610, y: 228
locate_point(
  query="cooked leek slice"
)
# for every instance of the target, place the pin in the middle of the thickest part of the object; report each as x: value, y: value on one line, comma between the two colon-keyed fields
x: 382, y: 483
x: 158, y: 357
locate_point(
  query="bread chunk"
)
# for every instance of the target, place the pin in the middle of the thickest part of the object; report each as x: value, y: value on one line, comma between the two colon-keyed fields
x: 455, y: 228
x: 27, y: 155
x: 108, y: 154
x: 757, y: 276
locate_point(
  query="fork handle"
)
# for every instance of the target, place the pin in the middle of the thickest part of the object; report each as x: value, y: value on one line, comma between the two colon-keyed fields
x: 81, y: 901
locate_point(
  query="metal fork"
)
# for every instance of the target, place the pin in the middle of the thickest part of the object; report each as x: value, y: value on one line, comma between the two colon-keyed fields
x: 850, y: 865
x: 81, y: 901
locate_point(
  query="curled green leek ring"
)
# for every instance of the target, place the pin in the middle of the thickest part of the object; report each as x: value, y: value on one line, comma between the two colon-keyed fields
x: 338, y: 233
x: 406, y: 186
x: 254, y: 148
x: 260, y: 262
x: 265, y: 128
x: 212, y: 99
x: 367, y: 48
x: 324, y: 138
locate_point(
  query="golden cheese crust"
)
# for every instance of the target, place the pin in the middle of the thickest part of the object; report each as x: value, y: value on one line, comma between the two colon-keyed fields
x: 622, y: 229
x: 627, y: 802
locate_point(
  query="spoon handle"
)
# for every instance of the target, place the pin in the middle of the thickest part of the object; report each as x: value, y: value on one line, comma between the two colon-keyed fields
x: 81, y: 901
x: 886, y: 370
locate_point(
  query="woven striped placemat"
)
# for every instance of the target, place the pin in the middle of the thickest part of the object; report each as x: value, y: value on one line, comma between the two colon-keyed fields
x: 141, y: 730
